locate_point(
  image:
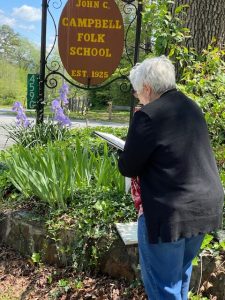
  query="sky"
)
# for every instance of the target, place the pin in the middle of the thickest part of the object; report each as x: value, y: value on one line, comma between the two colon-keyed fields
x: 24, y: 16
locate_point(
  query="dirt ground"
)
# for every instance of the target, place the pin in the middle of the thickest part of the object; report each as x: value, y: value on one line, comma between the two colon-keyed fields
x: 21, y: 279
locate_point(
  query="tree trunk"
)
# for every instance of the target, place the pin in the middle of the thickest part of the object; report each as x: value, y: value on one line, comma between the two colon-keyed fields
x: 206, y: 20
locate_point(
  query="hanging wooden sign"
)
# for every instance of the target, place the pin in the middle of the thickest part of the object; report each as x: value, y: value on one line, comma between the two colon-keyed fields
x: 91, y: 38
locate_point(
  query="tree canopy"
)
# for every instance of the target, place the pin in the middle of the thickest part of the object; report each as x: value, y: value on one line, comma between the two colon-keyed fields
x: 18, y: 56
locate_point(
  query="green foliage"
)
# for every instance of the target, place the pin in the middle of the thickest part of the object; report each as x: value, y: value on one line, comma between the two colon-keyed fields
x: 52, y: 173
x: 9, y: 40
x: 94, y: 213
x: 38, y: 134
x: 5, y: 183
x: 192, y: 296
x: 12, y: 83
x: 212, y: 244
x: 207, y: 240
x: 203, y: 79
x: 27, y: 56
x: 165, y: 29
x: 74, y: 174
x: 99, y: 98
x: 18, y: 56
x: 87, y: 137
x: 220, y: 159
x: 119, y: 95
x: 205, y: 73
x: 64, y: 283
x: 36, y: 257
x: 17, y: 50
x: 87, y: 133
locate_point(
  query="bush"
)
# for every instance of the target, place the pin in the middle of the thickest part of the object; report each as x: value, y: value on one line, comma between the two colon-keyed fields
x: 204, y: 80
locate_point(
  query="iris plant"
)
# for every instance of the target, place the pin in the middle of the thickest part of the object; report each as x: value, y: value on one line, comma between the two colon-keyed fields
x: 21, y: 118
x: 60, y: 117
x: 57, y: 109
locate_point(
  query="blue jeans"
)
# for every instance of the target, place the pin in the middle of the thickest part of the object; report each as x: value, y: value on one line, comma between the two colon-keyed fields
x: 166, y: 267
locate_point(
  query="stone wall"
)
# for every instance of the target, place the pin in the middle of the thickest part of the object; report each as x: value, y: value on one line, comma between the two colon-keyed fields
x: 21, y: 231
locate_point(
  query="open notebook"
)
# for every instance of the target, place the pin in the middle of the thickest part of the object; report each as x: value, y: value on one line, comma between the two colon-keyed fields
x: 118, y: 144
x: 111, y: 139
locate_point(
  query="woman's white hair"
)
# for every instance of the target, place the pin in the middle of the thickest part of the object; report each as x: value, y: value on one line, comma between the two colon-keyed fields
x: 157, y: 72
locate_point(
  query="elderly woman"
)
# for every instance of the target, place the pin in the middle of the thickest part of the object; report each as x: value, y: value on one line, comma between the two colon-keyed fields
x: 168, y: 149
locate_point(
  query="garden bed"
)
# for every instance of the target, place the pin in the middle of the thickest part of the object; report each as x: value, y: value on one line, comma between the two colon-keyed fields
x: 22, y: 279
x: 24, y: 233
x: 59, y: 206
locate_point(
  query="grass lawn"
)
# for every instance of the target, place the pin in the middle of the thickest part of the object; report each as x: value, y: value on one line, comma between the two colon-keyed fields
x: 96, y: 115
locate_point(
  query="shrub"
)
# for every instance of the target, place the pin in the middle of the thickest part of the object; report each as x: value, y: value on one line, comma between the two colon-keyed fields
x: 203, y: 79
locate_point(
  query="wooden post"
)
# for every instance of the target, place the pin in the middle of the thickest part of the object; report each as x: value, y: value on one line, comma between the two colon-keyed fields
x: 110, y: 110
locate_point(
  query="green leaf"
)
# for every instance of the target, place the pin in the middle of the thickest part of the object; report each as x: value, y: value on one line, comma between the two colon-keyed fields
x: 207, y: 239
x: 195, y: 261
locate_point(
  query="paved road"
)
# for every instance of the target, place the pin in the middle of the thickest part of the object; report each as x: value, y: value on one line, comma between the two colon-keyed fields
x: 6, y: 119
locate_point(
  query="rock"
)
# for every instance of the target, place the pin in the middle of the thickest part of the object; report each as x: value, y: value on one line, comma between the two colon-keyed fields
x: 202, y: 271
x: 22, y: 232
x: 117, y: 262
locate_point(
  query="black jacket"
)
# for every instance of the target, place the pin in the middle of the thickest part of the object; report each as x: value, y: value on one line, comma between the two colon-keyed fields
x: 168, y: 147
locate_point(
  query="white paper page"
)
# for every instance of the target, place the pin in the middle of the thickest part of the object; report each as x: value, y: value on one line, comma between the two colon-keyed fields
x: 127, y: 184
x: 111, y: 139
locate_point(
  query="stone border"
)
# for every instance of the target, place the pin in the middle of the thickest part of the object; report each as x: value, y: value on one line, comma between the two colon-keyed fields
x: 21, y: 231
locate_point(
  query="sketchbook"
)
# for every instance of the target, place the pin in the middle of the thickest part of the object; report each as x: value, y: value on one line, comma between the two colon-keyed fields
x: 111, y: 139
x: 117, y: 143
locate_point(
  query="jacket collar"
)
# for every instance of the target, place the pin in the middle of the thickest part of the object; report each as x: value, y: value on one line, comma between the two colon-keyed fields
x: 168, y: 91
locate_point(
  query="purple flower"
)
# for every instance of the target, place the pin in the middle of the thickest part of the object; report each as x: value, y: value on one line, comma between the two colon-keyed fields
x: 59, y: 115
x: 17, y: 106
x: 55, y: 105
x: 61, y: 118
x: 21, y: 118
x: 64, y: 90
x: 26, y: 123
